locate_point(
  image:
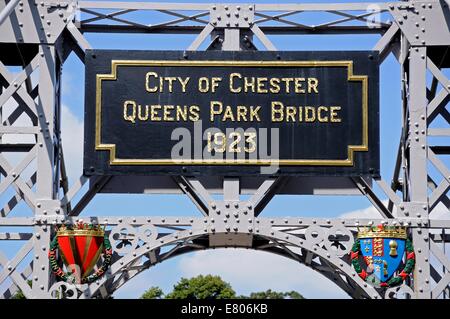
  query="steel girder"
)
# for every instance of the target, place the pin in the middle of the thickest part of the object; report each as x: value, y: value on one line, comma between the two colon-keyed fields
x: 38, y: 36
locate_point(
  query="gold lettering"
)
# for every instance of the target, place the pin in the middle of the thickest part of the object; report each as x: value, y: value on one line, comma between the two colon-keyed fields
x: 181, y: 113
x: 312, y: 85
x: 194, y: 113
x: 277, y: 108
x: 319, y: 114
x: 241, y: 113
x: 153, y: 114
x: 145, y: 117
x: 310, y: 114
x: 262, y: 85
x: 215, y: 83
x: 248, y: 84
x: 232, y: 88
x: 147, y: 82
x: 333, y: 114
x: 298, y: 85
x: 203, y: 84
x: 183, y: 83
x: 287, y: 81
x: 290, y: 113
x: 212, y: 111
x: 228, y: 114
x: 171, y: 79
x: 254, y: 113
x: 132, y: 117
x: 167, y: 113
x: 275, y: 85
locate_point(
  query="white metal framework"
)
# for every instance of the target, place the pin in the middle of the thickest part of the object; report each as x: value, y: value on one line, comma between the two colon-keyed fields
x: 39, y: 36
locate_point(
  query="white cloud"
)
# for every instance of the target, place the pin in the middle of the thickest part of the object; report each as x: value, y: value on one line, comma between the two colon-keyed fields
x: 248, y: 271
x: 72, y: 135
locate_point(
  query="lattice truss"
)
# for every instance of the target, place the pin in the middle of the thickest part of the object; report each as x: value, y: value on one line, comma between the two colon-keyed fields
x: 37, y: 37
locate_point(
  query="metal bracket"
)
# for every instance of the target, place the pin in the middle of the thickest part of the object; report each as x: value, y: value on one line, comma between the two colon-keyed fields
x: 235, y: 16
x: 423, y: 23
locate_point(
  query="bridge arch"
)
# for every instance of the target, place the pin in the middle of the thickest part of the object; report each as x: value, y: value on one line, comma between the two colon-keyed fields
x: 308, y: 244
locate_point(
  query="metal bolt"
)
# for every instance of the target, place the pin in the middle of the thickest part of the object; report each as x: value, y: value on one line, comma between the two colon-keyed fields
x: 227, y: 205
x: 225, y: 220
x: 212, y: 220
x: 227, y: 228
x: 236, y: 205
x: 250, y: 229
x: 9, y: 267
x: 237, y: 220
x: 235, y: 228
x: 213, y: 205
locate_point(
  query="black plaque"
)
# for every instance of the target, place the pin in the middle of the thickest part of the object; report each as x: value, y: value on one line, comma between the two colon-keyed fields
x: 232, y: 113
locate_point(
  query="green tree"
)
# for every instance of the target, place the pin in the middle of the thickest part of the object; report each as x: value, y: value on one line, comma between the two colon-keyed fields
x: 202, y: 287
x: 153, y: 293
x: 270, y: 294
x: 19, y: 294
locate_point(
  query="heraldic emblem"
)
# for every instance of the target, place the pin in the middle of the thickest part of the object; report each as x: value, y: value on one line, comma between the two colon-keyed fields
x: 383, y: 249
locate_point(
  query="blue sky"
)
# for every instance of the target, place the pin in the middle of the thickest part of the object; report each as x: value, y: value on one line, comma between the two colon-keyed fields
x: 283, y: 274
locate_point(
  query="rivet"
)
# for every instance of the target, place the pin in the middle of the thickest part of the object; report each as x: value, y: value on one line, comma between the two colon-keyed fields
x: 272, y: 232
x: 225, y: 220
x: 42, y: 287
x: 218, y: 212
x: 213, y: 206
x: 9, y: 267
x: 227, y: 205
x: 212, y: 220
x: 163, y: 220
